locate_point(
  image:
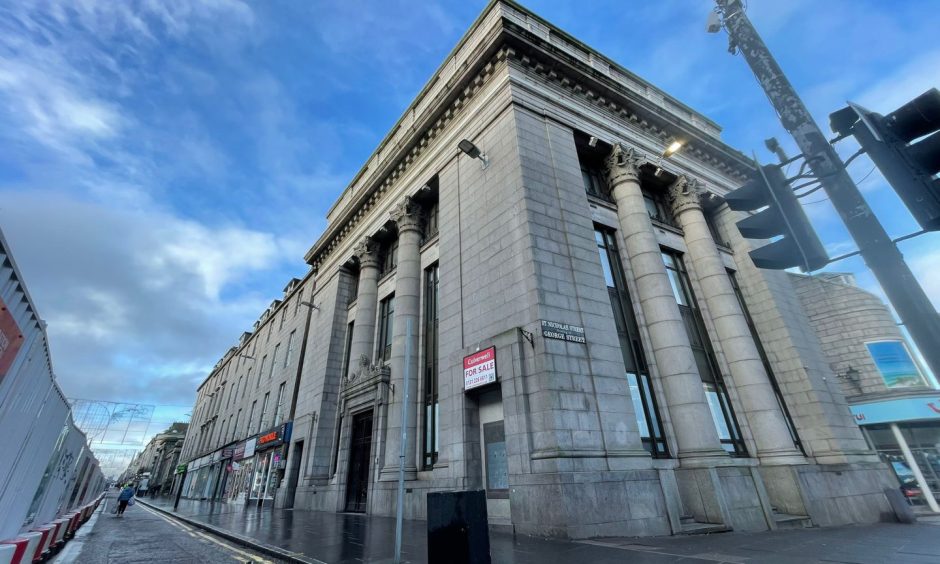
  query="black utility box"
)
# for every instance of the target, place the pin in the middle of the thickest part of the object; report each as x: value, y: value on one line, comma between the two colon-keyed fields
x: 458, y: 532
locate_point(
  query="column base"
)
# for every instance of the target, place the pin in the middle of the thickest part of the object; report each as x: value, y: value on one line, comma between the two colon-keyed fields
x: 788, y: 457
x: 706, y: 459
x: 390, y: 474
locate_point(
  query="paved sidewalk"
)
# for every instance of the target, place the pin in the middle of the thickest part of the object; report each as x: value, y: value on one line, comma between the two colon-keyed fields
x: 338, y: 538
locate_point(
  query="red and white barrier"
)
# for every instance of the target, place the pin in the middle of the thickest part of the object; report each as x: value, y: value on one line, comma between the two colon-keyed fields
x: 61, y: 527
x: 48, y: 532
x: 11, y: 551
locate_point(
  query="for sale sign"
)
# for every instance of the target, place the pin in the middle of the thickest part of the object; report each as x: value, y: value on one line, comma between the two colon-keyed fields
x: 479, y: 369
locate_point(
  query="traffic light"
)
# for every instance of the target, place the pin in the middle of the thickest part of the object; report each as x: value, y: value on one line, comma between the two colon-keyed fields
x: 783, y: 217
x: 894, y: 143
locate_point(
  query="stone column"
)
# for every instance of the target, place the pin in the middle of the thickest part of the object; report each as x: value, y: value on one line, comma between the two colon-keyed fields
x: 363, y: 338
x: 408, y: 217
x: 768, y: 425
x: 697, y: 440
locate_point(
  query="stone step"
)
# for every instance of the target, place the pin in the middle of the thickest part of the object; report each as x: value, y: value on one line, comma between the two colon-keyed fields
x: 696, y: 528
x: 789, y: 521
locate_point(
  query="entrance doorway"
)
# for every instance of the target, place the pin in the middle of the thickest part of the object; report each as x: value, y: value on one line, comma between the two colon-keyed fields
x: 360, y: 448
x: 493, y: 451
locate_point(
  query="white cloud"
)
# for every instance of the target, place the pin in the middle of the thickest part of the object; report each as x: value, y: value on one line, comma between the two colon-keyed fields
x: 909, y: 81
x: 143, y: 285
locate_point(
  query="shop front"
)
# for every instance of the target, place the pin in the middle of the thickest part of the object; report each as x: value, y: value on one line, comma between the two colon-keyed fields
x: 270, y: 456
x: 241, y: 469
x: 906, y: 433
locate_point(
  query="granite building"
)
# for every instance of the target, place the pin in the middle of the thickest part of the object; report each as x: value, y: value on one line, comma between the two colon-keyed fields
x: 562, y: 316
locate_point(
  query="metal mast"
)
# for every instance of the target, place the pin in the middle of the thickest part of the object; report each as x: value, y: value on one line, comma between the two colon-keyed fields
x: 880, y: 253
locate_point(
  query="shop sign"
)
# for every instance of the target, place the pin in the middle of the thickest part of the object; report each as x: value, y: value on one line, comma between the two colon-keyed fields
x: 274, y: 437
x: 10, y: 339
x: 239, y: 451
x: 180, y: 468
x: 249, y: 448
x: 479, y: 369
x: 227, y: 452
x: 562, y: 331
x: 924, y: 408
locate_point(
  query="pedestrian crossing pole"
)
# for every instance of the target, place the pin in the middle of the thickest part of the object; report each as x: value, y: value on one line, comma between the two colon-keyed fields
x: 880, y: 253
x: 404, y: 436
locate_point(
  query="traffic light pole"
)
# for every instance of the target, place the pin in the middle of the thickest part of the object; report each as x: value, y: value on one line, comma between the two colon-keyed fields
x: 881, y: 255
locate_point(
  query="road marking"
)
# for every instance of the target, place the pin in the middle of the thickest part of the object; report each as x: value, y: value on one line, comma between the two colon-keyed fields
x: 193, y: 533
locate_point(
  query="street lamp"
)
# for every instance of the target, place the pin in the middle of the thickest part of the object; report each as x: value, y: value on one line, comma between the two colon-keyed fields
x: 473, y: 152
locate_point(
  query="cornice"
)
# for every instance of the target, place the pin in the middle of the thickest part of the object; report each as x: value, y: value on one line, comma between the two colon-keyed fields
x: 508, y: 42
x: 550, y: 63
x: 336, y: 233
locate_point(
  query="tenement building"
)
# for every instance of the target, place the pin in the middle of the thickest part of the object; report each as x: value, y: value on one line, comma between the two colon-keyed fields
x: 519, y: 292
x: 235, y: 449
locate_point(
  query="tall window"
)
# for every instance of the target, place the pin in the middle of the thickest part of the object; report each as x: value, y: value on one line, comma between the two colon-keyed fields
x: 280, y: 404
x: 290, y: 347
x: 277, y: 348
x: 348, y: 350
x: 765, y: 361
x: 592, y: 172
x: 235, y: 426
x: 431, y: 405
x: 264, y: 408
x: 386, y: 317
x: 631, y: 347
x: 657, y: 209
x: 251, y: 414
x: 431, y: 223
x: 247, y: 381
x: 283, y: 317
x: 715, y: 392
x: 389, y: 257
x: 264, y: 359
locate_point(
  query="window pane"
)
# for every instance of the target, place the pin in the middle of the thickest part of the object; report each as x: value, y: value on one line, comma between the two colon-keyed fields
x: 677, y: 289
x: 638, y: 407
x: 714, y: 404
x: 605, y: 266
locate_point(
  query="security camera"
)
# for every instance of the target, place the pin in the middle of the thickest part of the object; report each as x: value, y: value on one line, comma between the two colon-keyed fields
x: 714, y: 23
x: 592, y: 142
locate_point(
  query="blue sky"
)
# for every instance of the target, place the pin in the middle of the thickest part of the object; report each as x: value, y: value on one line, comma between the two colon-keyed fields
x: 167, y: 163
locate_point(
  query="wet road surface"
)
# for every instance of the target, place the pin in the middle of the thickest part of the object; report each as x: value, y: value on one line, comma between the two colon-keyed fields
x: 144, y: 535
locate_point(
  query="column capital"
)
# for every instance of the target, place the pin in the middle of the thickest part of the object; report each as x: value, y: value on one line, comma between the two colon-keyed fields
x: 367, y: 251
x: 685, y: 194
x: 622, y: 165
x: 408, y: 215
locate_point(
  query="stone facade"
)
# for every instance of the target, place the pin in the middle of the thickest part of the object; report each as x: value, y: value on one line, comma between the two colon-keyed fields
x: 695, y: 401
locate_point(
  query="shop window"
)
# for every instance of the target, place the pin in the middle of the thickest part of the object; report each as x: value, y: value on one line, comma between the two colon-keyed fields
x: 715, y: 391
x: 386, y: 319
x: 649, y: 421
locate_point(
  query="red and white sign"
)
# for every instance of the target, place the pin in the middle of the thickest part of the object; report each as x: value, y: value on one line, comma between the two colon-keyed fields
x: 479, y: 369
x: 10, y: 339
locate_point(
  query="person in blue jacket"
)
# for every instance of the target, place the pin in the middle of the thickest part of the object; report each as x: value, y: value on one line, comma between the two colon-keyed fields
x: 125, y: 496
